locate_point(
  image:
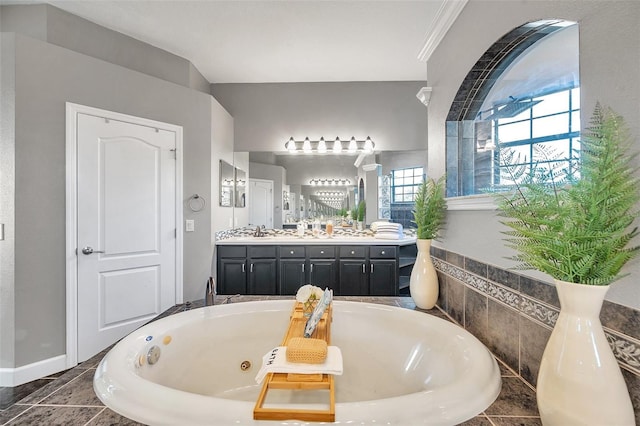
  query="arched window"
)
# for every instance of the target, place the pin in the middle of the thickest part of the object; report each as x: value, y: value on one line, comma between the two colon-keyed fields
x: 522, y: 94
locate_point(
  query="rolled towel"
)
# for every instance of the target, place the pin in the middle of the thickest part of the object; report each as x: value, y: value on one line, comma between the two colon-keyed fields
x: 308, y: 351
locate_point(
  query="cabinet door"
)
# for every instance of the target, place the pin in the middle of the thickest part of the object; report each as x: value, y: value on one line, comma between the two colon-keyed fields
x: 292, y: 275
x: 353, y: 278
x: 262, y: 276
x: 383, y: 278
x: 323, y: 274
x: 232, y: 278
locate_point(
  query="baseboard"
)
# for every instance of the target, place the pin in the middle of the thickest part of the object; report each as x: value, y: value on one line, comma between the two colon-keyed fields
x: 10, y: 377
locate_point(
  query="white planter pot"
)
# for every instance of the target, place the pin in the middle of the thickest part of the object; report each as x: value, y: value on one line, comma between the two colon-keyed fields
x: 580, y: 382
x: 423, y: 283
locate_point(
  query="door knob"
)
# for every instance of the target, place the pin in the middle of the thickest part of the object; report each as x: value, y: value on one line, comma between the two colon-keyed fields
x: 90, y: 250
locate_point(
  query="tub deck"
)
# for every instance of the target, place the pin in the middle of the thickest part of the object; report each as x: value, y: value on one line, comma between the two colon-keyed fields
x: 300, y: 382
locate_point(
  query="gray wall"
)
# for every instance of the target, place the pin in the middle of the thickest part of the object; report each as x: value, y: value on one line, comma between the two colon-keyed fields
x: 58, y: 27
x: 402, y: 160
x: 47, y: 76
x: 267, y: 115
x: 609, y: 69
x: 7, y: 198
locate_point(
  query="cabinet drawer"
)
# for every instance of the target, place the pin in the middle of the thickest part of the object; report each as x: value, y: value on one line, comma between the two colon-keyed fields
x: 262, y: 251
x: 382, y: 252
x: 351, y: 252
x: 288, y: 252
x: 232, y: 251
x: 321, y: 252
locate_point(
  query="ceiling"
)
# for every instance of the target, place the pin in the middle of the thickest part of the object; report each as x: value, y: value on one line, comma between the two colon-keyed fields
x: 278, y: 41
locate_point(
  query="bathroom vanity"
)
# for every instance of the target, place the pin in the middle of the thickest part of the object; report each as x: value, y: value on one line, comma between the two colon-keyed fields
x: 350, y: 266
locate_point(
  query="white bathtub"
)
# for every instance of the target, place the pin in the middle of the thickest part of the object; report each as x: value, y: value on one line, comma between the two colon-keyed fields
x: 401, y: 367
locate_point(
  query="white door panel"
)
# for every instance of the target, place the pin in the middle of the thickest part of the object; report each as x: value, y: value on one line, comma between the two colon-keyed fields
x: 261, y: 203
x: 126, y: 213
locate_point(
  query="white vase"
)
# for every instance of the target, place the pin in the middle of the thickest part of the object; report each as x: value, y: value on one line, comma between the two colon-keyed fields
x: 580, y: 382
x: 423, y: 283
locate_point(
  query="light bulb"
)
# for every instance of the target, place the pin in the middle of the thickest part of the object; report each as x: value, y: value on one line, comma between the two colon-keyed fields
x: 353, y: 146
x: 322, y: 146
x: 337, y: 146
x: 306, y: 146
x: 368, y: 145
x: 291, y: 145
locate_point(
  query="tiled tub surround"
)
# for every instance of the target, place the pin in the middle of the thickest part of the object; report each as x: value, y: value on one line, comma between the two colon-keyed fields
x: 513, y: 315
x: 68, y: 398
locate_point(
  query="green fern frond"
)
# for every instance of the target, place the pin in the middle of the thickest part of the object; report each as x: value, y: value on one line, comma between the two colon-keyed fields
x: 430, y: 208
x: 575, y: 227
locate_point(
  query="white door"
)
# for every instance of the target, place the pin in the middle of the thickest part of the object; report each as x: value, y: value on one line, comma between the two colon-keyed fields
x: 261, y: 203
x: 126, y: 228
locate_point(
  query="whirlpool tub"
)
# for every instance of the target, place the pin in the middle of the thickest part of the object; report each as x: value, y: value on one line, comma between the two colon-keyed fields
x: 401, y: 367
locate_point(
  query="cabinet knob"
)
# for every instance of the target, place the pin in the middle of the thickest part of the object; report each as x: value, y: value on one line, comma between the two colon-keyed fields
x: 382, y: 252
x: 321, y: 251
x: 291, y: 251
x: 353, y: 252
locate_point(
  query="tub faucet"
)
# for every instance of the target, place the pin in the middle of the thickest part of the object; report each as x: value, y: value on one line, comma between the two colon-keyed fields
x: 210, y: 293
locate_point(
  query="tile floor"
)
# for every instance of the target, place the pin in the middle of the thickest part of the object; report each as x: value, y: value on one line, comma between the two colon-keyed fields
x: 68, y: 399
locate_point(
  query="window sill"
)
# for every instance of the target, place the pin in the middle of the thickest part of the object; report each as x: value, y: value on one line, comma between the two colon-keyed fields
x: 472, y: 202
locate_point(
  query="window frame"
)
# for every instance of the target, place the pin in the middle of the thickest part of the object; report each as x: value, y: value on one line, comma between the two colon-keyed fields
x: 404, y: 185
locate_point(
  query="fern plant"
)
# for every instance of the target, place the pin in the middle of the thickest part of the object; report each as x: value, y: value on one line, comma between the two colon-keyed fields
x: 577, y: 228
x: 362, y: 209
x: 430, y: 208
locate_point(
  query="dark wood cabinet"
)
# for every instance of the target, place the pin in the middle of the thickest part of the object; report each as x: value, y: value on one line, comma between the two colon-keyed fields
x: 292, y: 275
x: 354, y: 280
x: 300, y: 265
x: 232, y: 277
x: 357, y: 270
x: 323, y: 273
x: 292, y: 269
x: 247, y: 270
x: 383, y: 271
x: 383, y: 277
x: 262, y: 264
x: 323, y: 267
x: 232, y: 270
x: 263, y: 277
x: 353, y: 277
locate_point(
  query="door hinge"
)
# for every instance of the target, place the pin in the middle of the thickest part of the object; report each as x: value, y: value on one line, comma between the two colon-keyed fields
x: 175, y: 233
x: 173, y: 153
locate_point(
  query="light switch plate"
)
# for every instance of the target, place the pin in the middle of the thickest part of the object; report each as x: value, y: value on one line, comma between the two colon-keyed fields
x: 189, y: 225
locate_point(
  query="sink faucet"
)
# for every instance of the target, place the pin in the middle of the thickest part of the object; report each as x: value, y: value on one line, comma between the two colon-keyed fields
x: 259, y: 232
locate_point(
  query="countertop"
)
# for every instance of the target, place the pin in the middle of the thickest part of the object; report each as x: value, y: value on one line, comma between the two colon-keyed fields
x: 309, y: 240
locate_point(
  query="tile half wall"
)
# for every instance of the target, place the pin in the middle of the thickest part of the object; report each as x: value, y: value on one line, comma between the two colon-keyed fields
x: 513, y: 315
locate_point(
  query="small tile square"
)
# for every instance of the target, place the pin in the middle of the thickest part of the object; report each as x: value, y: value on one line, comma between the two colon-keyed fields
x: 533, y: 340
x: 504, y: 333
x: 475, y: 267
x: 475, y: 314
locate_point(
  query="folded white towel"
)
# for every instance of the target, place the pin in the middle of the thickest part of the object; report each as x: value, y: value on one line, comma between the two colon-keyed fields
x: 387, y: 236
x: 388, y: 228
x: 275, y: 361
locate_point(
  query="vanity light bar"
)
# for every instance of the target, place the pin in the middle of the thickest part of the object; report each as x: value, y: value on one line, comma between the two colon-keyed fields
x: 331, y: 193
x: 329, y: 182
x: 308, y: 146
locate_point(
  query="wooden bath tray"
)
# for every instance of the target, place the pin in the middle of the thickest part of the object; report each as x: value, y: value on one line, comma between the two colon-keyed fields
x: 301, y: 382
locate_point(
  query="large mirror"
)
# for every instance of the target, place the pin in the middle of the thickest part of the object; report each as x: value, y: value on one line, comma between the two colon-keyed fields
x: 226, y: 184
x: 325, y: 186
